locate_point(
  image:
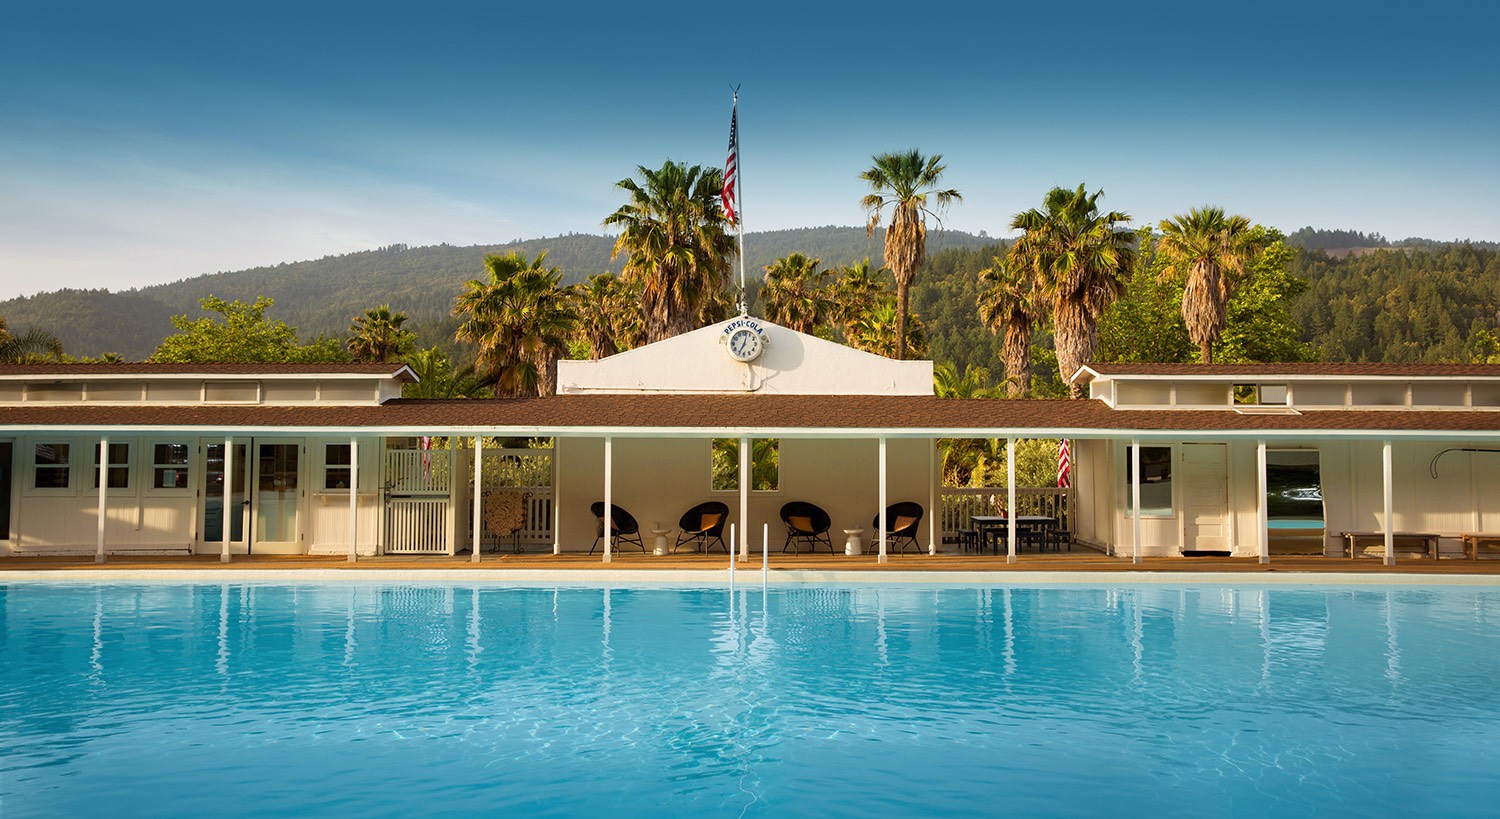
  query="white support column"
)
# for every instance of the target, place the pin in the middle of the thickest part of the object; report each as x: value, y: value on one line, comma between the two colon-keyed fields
x: 478, y: 499
x: 743, y: 535
x: 226, y: 522
x: 103, y: 491
x: 883, y: 525
x: 1010, y: 500
x: 556, y: 498
x: 934, y: 498
x: 353, y: 499
x: 609, y: 498
x: 1262, y: 509
x: 1389, y: 496
x: 1135, y: 498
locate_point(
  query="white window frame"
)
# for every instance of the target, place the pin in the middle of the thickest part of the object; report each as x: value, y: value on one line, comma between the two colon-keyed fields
x: 1150, y: 514
x: 148, y: 484
x: 324, y: 466
x: 132, y: 484
x: 28, y: 485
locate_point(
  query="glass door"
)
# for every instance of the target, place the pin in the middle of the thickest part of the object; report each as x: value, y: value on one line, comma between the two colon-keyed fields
x: 278, y: 495
x: 5, y: 464
x: 216, y: 514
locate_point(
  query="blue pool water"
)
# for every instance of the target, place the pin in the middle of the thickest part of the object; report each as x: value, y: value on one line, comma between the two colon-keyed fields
x: 357, y: 699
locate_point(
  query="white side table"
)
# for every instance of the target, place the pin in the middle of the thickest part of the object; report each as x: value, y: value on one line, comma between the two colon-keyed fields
x: 853, y: 546
x: 659, y: 546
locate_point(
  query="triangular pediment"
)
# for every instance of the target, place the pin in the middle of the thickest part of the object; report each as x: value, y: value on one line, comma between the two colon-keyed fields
x: 791, y: 363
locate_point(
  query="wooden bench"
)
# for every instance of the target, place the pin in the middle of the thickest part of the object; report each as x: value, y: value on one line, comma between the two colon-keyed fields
x: 1409, y: 542
x: 1474, y: 540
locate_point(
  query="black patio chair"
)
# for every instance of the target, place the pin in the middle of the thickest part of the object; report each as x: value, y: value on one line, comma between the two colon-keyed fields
x: 702, y: 525
x: 622, y: 527
x: 805, y: 523
x: 901, y: 521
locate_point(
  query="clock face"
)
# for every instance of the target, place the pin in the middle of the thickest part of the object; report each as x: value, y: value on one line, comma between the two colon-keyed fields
x: 744, y: 344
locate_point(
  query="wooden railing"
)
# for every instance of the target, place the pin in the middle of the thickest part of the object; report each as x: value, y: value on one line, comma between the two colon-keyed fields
x: 961, y: 503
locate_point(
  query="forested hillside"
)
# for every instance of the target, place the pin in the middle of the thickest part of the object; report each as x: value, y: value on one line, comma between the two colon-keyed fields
x: 322, y: 296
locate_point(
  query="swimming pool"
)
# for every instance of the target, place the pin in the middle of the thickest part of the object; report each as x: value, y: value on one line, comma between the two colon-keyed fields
x: 369, y: 699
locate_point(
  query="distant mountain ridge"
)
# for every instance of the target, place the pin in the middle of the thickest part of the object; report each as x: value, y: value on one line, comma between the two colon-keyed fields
x: 322, y: 296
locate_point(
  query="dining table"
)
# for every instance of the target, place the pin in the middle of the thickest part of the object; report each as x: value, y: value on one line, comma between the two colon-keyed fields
x: 1027, y: 527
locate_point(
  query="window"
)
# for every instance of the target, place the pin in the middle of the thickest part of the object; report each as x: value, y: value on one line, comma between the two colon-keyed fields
x: 336, y: 466
x: 765, y: 465
x: 53, y: 466
x: 119, y: 466
x: 1156, y: 481
x: 169, y: 466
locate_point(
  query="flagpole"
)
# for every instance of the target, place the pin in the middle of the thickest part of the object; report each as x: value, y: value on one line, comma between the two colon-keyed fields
x: 739, y: 200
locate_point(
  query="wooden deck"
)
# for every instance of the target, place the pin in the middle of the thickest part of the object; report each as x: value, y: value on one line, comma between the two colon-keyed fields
x: 1081, y: 562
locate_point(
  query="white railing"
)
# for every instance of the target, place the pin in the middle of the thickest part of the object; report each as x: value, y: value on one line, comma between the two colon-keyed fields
x: 961, y: 503
x: 416, y: 470
x: 529, y: 472
x: 416, y: 526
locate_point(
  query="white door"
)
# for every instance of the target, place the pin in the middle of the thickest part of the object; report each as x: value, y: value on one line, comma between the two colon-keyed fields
x: 215, y: 510
x: 1205, y: 498
x: 278, y: 494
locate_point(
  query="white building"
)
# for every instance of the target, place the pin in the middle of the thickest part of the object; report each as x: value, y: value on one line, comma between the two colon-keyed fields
x: 1245, y: 460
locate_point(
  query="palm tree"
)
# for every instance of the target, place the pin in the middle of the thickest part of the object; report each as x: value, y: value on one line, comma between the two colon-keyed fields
x: 33, y: 345
x: 437, y: 379
x: 796, y: 293
x: 876, y: 330
x: 1007, y: 304
x: 905, y: 181
x: 520, y: 316
x: 377, y: 336
x: 597, y: 301
x: 678, y: 244
x: 1077, y: 256
x: 1209, y: 250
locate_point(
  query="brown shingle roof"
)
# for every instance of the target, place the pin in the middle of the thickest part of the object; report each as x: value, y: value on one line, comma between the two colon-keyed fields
x: 772, y: 413
x: 145, y: 368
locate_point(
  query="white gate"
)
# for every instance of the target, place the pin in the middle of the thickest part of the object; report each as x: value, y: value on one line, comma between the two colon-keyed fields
x: 418, y: 484
x: 527, y: 472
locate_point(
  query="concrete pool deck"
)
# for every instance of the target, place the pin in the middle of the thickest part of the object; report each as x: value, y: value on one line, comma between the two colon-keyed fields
x: 1068, y: 568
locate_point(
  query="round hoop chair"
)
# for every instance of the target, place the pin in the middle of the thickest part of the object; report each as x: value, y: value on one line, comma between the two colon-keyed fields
x: 805, y: 523
x: 622, y: 527
x: 702, y: 525
x: 902, y: 521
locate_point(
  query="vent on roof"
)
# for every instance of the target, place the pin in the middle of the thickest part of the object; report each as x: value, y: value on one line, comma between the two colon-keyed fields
x: 1265, y: 410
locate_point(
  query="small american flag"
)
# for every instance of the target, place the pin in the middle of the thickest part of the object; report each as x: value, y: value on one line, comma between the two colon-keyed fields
x: 732, y: 166
x: 1064, y: 465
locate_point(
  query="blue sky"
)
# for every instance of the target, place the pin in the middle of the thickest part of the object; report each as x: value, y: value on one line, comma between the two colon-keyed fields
x: 146, y: 142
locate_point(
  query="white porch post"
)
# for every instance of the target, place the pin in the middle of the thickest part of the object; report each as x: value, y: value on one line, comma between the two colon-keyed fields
x: 1390, y: 502
x: 353, y: 499
x: 1262, y: 509
x: 883, y: 557
x: 1135, y: 498
x: 743, y: 536
x: 225, y: 522
x: 1010, y: 500
x: 103, y: 491
x: 556, y: 498
x: 609, y: 497
x: 478, y: 499
x: 934, y: 498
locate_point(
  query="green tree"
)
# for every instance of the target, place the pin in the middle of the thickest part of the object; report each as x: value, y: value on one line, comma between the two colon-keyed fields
x: 378, y: 335
x: 1209, y: 252
x: 1008, y: 305
x: 1258, y: 323
x: 436, y: 377
x: 1145, y: 324
x: 678, y: 244
x: 520, y: 317
x: 1077, y: 255
x: 905, y: 181
x: 609, y: 316
x: 31, y: 345
x: 877, y: 331
x: 242, y: 334
x: 797, y: 295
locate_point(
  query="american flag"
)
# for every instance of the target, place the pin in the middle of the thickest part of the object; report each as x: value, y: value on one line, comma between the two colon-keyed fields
x: 1064, y: 465
x: 732, y: 166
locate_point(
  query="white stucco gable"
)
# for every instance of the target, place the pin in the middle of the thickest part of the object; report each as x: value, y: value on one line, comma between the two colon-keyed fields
x: 792, y: 363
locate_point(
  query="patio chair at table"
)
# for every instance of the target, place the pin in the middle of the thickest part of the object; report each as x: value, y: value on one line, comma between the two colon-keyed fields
x: 806, y: 523
x: 901, y: 520
x: 622, y: 527
x: 702, y: 525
